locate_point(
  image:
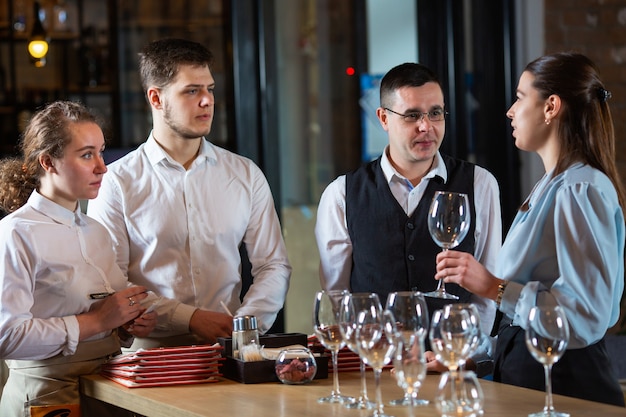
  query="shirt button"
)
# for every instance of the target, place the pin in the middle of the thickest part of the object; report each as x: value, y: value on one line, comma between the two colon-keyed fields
x: 410, y: 226
x: 411, y: 258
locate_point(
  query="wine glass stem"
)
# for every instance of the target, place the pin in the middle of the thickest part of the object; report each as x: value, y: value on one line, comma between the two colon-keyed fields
x: 441, y: 286
x: 455, y: 376
x: 335, y: 374
x: 363, y: 384
x: 549, y: 407
x: 379, y: 411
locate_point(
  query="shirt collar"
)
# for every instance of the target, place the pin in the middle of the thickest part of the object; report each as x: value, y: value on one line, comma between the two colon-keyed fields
x: 156, y: 153
x: 55, y: 211
x: 437, y: 170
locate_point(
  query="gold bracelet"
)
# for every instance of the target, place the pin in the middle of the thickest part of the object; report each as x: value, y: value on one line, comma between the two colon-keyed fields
x: 501, y: 288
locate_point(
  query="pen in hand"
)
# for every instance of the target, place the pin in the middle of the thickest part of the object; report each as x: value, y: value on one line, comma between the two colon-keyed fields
x: 225, y: 307
x: 100, y: 295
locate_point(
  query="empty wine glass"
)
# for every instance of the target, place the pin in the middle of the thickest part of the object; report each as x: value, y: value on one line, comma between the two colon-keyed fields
x: 459, y: 395
x: 374, y: 335
x: 409, y: 364
x: 351, y: 305
x: 448, y: 224
x: 546, y: 339
x: 411, y: 317
x: 474, y: 318
x: 326, y: 327
x: 452, y: 336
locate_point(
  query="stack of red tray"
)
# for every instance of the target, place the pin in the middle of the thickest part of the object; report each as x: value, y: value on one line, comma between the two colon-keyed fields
x: 347, y: 360
x: 166, y: 366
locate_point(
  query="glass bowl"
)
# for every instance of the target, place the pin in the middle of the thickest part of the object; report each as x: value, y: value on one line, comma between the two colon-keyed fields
x: 295, y: 366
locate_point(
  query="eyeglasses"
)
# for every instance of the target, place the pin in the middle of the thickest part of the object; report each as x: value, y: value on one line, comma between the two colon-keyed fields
x: 436, y: 115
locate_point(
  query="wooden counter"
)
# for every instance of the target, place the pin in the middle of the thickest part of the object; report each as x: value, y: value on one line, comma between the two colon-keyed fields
x: 228, y: 398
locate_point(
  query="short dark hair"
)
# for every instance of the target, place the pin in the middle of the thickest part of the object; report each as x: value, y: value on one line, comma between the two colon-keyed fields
x: 409, y: 74
x: 160, y: 60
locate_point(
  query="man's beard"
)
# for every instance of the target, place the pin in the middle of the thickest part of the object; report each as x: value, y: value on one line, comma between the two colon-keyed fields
x: 181, y: 130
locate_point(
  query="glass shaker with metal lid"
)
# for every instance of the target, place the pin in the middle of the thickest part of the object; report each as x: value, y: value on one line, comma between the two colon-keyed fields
x: 245, y: 333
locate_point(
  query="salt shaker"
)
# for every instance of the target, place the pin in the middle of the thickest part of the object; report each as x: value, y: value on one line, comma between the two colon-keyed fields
x: 245, y: 332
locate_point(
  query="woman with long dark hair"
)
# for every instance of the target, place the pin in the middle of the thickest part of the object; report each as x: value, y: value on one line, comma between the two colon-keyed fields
x: 566, y: 244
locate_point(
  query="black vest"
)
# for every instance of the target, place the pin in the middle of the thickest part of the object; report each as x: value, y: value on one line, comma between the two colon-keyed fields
x: 394, y: 252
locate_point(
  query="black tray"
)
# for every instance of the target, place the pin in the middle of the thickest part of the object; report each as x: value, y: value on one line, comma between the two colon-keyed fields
x: 263, y: 371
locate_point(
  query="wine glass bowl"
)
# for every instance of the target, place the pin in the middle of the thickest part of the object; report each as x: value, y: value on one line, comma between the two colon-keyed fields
x: 410, y: 312
x: 546, y: 338
x: 452, y: 337
x: 326, y: 310
x: 461, y: 330
x: 448, y: 223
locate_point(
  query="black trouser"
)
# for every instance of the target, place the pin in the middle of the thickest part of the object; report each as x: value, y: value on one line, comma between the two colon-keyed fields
x: 582, y: 373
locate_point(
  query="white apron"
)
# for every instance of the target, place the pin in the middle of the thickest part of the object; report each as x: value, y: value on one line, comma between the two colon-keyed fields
x: 38, y: 387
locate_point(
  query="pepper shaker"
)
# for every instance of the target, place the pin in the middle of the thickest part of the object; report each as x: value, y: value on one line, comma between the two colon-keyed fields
x: 245, y: 332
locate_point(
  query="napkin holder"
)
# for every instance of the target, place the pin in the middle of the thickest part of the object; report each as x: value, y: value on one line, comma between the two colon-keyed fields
x: 264, y: 371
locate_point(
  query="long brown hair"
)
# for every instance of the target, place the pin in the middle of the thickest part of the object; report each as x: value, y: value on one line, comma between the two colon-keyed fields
x: 586, y: 130
x: 48, y: 133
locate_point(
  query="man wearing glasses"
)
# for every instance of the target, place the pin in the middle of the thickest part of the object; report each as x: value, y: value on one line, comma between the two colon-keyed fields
x: 372, y: 231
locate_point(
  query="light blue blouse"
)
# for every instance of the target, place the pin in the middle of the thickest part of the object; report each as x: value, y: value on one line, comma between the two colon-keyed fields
x: 570, y: 242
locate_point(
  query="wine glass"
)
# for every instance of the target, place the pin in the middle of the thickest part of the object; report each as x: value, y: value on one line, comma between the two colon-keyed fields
x: 546, y: 339
x: 474, y: 317
x: 448, y: 224
x: 409, y: 364
x: 374, y: 335
x: 459, y: 395
x: 326, y: 327
x: 452, y: 336
x: 411, y: 317
x: 351, y: 305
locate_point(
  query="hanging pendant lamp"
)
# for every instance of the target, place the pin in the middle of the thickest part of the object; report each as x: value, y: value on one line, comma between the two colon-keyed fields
x: 38, y: 40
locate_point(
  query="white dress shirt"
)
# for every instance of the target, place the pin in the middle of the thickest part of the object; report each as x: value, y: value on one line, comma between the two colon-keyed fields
x: 178, y: 232
x: 52, y: 259
x: 335, y: 246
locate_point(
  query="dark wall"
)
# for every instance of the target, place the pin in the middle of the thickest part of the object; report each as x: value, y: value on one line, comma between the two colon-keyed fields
x: 475, y: 61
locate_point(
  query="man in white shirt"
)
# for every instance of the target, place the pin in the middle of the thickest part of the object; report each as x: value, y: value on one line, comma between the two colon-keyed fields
x: 179, y: 208
x: 371, y: 228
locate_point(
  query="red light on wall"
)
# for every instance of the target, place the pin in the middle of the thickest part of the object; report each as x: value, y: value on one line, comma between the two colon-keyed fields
x: 350, y: 71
